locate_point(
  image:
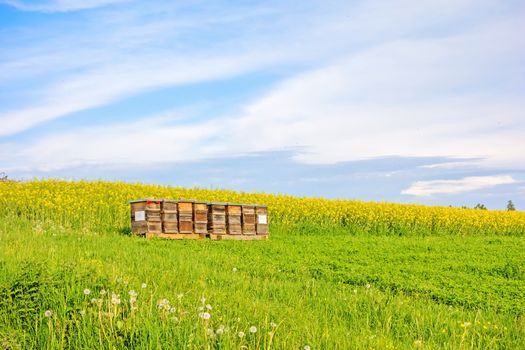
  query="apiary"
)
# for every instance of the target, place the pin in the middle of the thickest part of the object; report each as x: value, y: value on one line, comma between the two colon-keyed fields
x: 177, y: 219
x: 216, y: 219
x: 145, y: 217
x: 233, y: 219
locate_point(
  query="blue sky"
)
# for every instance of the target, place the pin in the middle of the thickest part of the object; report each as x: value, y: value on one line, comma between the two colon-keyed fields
x: 405, y: 101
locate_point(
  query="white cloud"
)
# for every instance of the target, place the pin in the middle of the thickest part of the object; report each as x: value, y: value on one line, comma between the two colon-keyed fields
x: 59, y: 5
x: 450, y: 187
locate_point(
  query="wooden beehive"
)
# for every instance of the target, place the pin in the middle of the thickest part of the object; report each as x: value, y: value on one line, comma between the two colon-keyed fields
x: 248, y: 219
x: 185, y: 211
x: 233, y: 219
x: 145, y: 217
x: 200, y: 217
x: 216, y: 219
x: 170, y: 217
x: 261, y: 220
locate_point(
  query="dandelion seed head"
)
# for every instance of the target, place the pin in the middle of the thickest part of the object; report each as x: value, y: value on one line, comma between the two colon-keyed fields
x: 87, y: 291
x: 273, y: 324
x: 132, y: 293
x: 253, y: 329
x: 205, y: 315
x: 179, y: 296
x: 208, y: 306
x: 307, y: 347
x: 103, y: 292
x: 143, y: 285
x: 234, y: 269
x: 219, y: 331
x: 418, y: 343
x: 368, y: 285
x: 241, y: 334
x: 48, y: 313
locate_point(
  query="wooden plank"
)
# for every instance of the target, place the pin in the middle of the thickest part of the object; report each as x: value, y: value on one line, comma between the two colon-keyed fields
x: 237, y: 237
x: 175, y: 235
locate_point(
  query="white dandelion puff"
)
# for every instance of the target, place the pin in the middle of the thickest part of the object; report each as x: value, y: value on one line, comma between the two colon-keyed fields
x: 234, y: 269
x: 253, y: 329
x: 87, y: 291
x: 48, y: 313
x: 103, y: 292
x: 219, y: 331
x: 115, y: 299
x: 306, y: 347
x: 368, y: 285
x: 204, y: 315
x: 241, y: 334
x: 143, y: 286
x: 208, y: 306
x: 132, y: 293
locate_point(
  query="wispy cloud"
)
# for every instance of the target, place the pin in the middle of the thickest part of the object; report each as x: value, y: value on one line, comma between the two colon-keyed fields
x: 451, y: 187
x: 59, y: 5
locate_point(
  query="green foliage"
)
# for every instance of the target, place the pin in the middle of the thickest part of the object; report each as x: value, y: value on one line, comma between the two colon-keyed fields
x: 510, y: 206
x: 480, y: 206
x: 304, y: 286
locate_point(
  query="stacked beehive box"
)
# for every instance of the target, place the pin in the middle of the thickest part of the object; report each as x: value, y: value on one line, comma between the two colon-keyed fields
x: 200, y: 216
x: 145, y: 217
x: 261, y: 213
x: 233, y: 219
x: 216, y: 219
x: 170, y: 217
x: 248, y: 220
x: 190, y: 219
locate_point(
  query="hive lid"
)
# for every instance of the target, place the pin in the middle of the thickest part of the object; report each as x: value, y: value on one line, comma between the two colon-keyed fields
x: 145, y: 200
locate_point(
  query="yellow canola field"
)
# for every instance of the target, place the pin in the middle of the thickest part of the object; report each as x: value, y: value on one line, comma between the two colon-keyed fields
x: 103, y: 205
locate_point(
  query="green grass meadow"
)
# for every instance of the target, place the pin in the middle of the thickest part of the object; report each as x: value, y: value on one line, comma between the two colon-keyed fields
x: 305, y: 288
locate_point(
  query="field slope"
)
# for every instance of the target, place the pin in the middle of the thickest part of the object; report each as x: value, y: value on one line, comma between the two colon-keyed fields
x: 334, y: 275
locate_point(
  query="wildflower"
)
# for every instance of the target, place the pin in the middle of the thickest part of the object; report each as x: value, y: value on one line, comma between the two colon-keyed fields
x: 179, y: 296
x: 210, y: 332
x: 306, y: 347
x: 466, y: 324
x: 132, y: 293
x: 143, y: 285
x: 241, y: 334
x: 173, y: 310
x: 163, y: 304
x: 204, y: 315
x: 208, y: 306
x: 219, y: 331
x: 48, y: 313
x: 132, y: 300
x: 203, y: 300
x: 418, y: 343
x: 234, y: 269
x: 253, y: 329
x: 82, y: 313
x: 368, y: 285
x: 102, y: 292
x: 87, y: 291
x: 94, y: 300
x: 115, y: 299
x: 273, y: 324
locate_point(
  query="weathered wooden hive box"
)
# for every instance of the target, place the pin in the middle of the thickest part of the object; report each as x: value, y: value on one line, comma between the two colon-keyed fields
x: 200, y: 217
x: 146, y: 217
x: 170, y: 216
x: 233, y: 219
x: 217, y: 218
x: 261, y: 212
x: 178, y: 219
x: 248, y: 219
